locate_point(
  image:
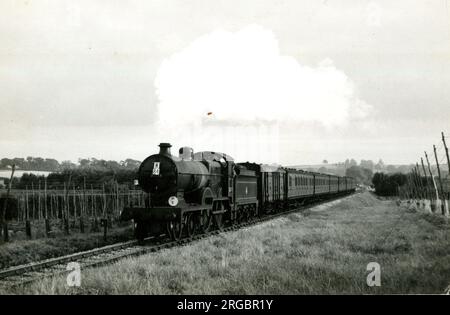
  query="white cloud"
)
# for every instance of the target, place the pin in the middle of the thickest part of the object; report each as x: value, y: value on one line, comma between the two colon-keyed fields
x: 242, y: 77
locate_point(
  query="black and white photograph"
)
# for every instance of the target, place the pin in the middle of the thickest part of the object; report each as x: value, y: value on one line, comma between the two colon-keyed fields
x: 224, y: 153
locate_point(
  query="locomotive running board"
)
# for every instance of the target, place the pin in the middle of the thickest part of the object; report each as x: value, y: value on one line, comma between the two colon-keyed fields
x: 218, y: 211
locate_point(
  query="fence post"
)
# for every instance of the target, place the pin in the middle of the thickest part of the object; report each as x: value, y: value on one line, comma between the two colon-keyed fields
x: 422, y: 188
x: 448, y: 176
x: 418, y: 188
x: 433, y: 205
x: 440, y: 180
x: 27, y: 218
x: 94, y: 211
x: 47, y: 221
x: 83, y: 206
x: 426, y: 178
x: 66, y: 207
x: 5, y: 206
x: 32, y: 201
x: 39, y: 209
x: 74, y: 199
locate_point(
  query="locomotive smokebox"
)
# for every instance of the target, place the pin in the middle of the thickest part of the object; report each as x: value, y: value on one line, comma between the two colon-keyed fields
x: 164, y: 149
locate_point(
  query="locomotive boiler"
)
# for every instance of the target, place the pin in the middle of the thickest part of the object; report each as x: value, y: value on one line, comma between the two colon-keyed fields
x: 172, y: 181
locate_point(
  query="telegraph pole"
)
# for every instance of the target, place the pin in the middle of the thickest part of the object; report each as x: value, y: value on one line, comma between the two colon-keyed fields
x: 440, y: 179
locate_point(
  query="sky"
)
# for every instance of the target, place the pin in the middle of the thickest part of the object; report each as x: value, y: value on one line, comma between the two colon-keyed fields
x: 290, y: 82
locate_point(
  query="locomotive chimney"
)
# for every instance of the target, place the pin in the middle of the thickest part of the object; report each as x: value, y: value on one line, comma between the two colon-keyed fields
x: 164, y: 149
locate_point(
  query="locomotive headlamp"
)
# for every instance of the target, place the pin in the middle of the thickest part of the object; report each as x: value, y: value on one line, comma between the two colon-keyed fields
x: 173, y: 201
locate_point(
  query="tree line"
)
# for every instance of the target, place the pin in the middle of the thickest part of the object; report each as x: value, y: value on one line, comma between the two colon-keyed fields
x: 51, y: 165
x: 86, y: 174
x: 78, y: 179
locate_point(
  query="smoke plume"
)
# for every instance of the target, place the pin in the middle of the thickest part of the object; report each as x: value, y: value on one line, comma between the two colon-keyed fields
x: 230, y: 92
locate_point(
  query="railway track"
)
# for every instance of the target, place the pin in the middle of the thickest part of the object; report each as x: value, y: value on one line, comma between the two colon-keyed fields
x: 27, y: 273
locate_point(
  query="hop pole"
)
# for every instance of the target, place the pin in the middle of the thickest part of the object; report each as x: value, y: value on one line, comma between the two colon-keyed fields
x: 5, y: 223
x: 440, y: 180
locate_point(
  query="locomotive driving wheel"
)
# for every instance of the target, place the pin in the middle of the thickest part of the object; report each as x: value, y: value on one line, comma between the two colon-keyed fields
x: 205, y: 221
x: 175, y: 229
x: 191, y: 224
x: 218, y: 218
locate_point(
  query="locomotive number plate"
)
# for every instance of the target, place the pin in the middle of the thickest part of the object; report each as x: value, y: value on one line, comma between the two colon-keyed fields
x: 155, y: 168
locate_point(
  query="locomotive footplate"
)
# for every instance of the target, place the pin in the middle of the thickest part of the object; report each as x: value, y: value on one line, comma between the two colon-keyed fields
x: 145, y: 214
x: 156, y: 213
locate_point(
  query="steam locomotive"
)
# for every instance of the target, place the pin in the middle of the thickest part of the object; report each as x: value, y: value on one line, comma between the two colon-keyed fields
x: 193, y: 193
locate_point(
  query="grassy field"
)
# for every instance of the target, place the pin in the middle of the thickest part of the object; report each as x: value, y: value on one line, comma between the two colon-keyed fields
x: 324, y: 250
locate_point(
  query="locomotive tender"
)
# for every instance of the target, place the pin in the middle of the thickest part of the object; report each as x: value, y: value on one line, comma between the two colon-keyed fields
x: 192, y: 193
